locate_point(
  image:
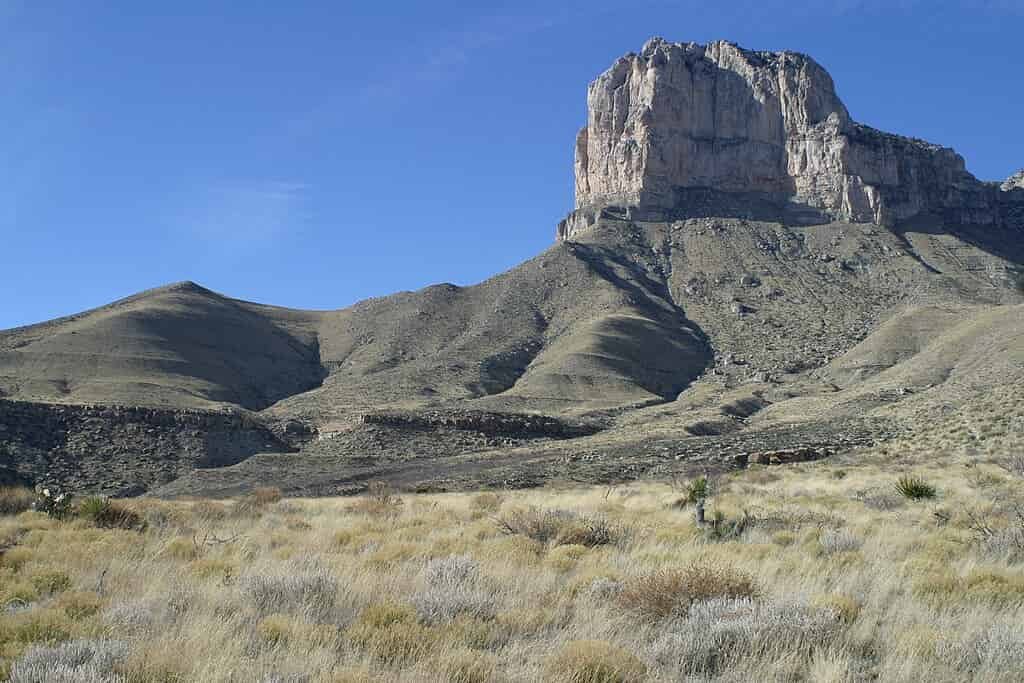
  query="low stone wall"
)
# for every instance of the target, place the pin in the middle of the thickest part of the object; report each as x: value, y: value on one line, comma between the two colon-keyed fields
x: 122, y: 450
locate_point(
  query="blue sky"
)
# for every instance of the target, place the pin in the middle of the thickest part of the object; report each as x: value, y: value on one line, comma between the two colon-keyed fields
x: 311, y: 154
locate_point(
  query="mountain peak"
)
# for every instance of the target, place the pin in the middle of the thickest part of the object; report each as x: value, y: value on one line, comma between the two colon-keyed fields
x: 679, y: 117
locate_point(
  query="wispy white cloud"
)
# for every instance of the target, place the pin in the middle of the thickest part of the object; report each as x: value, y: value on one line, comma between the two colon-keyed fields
x: 248, y: 213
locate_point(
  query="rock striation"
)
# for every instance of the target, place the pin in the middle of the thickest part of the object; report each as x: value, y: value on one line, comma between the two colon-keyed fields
x: 681, y: 118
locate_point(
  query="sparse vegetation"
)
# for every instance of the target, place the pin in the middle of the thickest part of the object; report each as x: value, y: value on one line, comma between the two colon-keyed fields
x: 577, y: 585
x: 105, y: 513
x: 915, y: 488
x: 15, y: 499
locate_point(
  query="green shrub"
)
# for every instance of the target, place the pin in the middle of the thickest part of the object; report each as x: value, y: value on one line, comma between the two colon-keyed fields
x: 694, y: 492
x: 914, y: 488
x: 104, y: 513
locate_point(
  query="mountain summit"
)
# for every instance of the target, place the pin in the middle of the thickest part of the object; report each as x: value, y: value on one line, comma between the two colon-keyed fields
x: 679, y: 118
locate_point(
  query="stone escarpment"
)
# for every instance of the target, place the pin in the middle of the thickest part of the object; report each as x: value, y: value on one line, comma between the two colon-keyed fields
x: 121, y: 450
x: 679, y: 121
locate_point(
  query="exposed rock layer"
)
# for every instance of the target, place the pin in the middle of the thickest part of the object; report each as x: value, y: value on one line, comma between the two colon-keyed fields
x: 683, y: 116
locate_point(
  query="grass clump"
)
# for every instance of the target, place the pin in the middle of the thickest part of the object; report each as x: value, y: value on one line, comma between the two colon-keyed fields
x: 452, y: 587
x: 594, y: 661
x: 915, y: 488
x: 15, y: 499
x: 671, y: 592
x: 380, y: 501
x: 391, y: 633
x: 266, y: 495
x: 311, y: 591
x: 561, y: 527
x: 107, y: 514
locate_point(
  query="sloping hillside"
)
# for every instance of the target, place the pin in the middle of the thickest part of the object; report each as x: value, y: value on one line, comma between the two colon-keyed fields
x: 179, y: 346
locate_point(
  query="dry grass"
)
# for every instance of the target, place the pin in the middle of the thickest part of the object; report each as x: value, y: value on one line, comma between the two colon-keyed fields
x: 15, y: 499
x: 822, y: 583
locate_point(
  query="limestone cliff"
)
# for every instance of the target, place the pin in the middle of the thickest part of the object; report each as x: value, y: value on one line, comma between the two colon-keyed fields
x: 682, y: 117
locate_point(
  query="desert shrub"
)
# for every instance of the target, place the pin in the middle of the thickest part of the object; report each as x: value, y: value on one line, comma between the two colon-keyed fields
x: 693, y: 492
x: 50, y: 581
x: 392, y: 634
x: 139, y: 616
x: 280, y: 629
x: 17, y: 557
x: 182, y: 548
x: 914, y: 488
x: 539, y: 525
x: 563, y: 527
x: 845, y: 608
x: 721, y: 528
x: 15, y: 499
x: 77, y: 661
x: 305, y: 589
x: 1013, y: 464
x: 485, y: 502
x: 209, y: 511
x: 379, y: 501
x: 266, y: 495
x: 451, y: 587
x: 35, y: 626
x: 667, y: 593
x: 52, y: 502
x: 994, y: 653
x: 999, y: 543
x: 879, y: 500
x: 107, y: 514
x: 1005, y: 544
x: 716, y: 633
x: 835, y: 541
x: 465, y: 665
x: 594, y: 661
x: 79, y: 604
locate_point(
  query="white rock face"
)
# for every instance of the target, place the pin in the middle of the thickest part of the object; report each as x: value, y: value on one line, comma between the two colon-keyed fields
x: 1014, y: 182
x: 680, y: 116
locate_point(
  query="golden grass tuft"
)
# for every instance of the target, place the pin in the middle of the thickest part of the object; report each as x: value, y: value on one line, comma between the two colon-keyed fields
x: 16, y: 499
x: 668, y: 592
x: 595, y: 661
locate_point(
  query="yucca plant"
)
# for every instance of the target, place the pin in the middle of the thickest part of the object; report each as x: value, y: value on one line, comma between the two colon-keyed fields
x: 105, y: 513
x: 914, y: 488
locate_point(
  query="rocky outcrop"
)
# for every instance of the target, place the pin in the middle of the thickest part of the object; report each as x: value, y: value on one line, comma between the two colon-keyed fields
x: 121, y: 450
x: 680, y: 117
x: 1014, y: 182
x: 493, y: 424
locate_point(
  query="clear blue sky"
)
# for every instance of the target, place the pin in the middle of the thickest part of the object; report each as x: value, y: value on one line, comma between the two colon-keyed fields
x: 311, y: 154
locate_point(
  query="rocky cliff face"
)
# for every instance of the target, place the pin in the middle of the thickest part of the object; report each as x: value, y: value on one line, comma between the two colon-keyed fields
x: 682, y: 117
